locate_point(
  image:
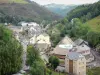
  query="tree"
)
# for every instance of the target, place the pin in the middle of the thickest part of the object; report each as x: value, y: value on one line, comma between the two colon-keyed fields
x: 10, y: 52
x: 93, y: 38
x: 54, y: 61
x: 32, y: 55
x: 78, y: 29
x: 36, y: 64
x: 98, y: 48
x: 38, y: 68
x: 48, y: 71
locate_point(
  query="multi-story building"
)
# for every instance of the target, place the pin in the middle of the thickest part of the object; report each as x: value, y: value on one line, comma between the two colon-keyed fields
x: 41, y: 42
x: 83, y: 48
x: 75, y: 63
x: 62, y: 49
x: 66, y: 45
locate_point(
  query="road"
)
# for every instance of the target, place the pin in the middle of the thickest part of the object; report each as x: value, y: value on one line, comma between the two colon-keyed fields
x: 24, y: 67
x: 96, y: 62
x: 24, y: 54
x: 97, y: 57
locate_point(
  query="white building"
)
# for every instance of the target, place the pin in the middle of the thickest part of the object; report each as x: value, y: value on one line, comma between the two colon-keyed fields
x: 83, y: 48
x: 42, y: 41
x: 31, y: 28
x: 33, y: 40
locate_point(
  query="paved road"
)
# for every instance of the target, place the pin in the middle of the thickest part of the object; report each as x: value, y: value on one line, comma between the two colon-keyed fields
x: 96, y: 54
x: 24, y: 54
x: 24, y: 67
x: 95, y: 63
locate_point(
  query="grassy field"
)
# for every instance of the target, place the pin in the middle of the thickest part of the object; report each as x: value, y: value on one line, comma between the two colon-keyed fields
x: 94, y: 71
x: 94, y: 24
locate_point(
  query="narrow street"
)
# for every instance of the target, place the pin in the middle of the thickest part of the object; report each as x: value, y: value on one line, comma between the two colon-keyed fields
x: 24, y: 67
x: 96, y: 62
x: 97, y: 57
x: 24, y: 54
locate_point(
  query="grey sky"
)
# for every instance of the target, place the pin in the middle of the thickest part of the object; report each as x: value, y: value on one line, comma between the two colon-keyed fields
x: 67, y: 2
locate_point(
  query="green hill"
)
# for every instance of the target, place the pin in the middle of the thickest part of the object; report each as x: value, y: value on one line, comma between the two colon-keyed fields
x: 94, y: 24
x: 78, y: 24
x: 85, y: 12
x: 14, y: 11
x: 15, y: 1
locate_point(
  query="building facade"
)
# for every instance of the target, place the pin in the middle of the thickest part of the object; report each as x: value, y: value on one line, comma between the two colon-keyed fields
x: 41, y: 42
x: 75, y: 63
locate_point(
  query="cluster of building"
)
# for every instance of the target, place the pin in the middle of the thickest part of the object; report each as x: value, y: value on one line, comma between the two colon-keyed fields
x: 34, y: 35
x: 37, y: 37
x: 31, y: 28
x: 73, y: 56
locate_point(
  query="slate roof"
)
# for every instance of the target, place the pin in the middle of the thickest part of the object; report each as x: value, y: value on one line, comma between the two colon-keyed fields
x: 81, y: 48
x: 74, y: 56
x: 80, y: 41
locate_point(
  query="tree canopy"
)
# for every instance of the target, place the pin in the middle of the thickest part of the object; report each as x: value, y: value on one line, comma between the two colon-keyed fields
x: 54, y: 61
x: 10, y: 52
x: 36, y: 64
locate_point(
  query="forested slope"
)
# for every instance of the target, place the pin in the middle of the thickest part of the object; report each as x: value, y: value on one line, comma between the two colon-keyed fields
x: 14, y: 11
x: 94, y: 24
x: 82, y: 22
x: 85, y: 12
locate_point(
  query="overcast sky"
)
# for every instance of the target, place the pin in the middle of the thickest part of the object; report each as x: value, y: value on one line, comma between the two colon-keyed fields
x: 67, y: 2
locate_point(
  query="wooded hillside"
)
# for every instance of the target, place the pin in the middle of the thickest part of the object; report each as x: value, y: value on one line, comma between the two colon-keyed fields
x: 15, y: 12
x: 85, y: 12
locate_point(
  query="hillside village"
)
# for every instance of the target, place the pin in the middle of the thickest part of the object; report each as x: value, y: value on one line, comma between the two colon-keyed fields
x: 37, y: 41
x: 67, y: 50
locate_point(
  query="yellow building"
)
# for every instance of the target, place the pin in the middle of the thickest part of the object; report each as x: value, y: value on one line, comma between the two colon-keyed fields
x: 41, y: 42
x: 75, y: 63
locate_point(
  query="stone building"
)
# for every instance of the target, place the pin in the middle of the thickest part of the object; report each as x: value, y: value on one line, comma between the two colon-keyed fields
x: 75, y: 64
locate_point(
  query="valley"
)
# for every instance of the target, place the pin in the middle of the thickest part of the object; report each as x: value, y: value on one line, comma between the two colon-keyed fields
x: 59, y: 9
x: 52, y: 39
x: 15, y: 12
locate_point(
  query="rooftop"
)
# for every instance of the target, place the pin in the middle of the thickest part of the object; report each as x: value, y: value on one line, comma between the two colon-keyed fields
x: 60, y: 51
x: 80, y: 41
x: 66, y: 40
x: 67, y: 46
x: 81, y: 48
x: 74, y: 55
x: 63, y: 47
